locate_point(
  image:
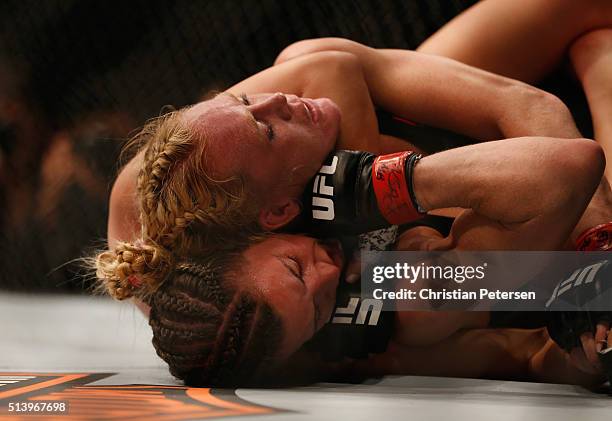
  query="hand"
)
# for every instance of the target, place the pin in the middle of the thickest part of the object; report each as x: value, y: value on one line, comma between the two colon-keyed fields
x: 586, y: 357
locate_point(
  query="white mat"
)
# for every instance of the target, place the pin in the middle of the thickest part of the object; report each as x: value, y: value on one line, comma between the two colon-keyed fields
x: 43, y: 335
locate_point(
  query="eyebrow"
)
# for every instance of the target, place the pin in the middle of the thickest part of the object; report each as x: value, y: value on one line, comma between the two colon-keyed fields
x: 249, y: 113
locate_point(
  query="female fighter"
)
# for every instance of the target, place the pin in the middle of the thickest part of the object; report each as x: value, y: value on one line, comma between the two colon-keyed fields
x: 172, y: 218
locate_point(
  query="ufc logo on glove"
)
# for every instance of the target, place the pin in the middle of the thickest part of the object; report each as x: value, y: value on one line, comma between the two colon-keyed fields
x: 323, y: 207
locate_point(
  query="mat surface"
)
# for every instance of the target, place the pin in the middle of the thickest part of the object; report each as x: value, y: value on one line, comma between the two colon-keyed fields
x: 95, y: 355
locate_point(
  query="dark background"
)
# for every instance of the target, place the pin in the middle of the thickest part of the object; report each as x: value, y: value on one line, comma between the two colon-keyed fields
x: 77, y: 77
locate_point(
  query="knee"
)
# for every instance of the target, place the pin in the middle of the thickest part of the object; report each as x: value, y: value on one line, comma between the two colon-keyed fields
x: 552, y: 117
x: 592, y: 41
x: 545, y: 103
x: 556, y: 112
x: 310, y: 46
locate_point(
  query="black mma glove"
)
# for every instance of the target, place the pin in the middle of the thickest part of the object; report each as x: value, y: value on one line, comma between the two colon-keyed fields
x: 356, y: 192
x: 588, y: 290
x: 358, y: 327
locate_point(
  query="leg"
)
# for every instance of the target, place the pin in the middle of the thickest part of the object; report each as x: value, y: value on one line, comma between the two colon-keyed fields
x: 591, y: 56
x: 522, y: 39
x: 534, y: 41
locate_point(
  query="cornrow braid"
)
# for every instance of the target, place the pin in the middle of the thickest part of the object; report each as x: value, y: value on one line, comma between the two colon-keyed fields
x: 210, y: 332
x: 206, y: 329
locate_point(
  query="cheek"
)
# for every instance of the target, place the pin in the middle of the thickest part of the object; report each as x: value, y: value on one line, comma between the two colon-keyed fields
x: 323, y: 285
x: 265, y: 175
x: 308, y: 148
x: 222, y: 161
x: 332, y: 116
x: 329, y: 299
x: 297, y: 316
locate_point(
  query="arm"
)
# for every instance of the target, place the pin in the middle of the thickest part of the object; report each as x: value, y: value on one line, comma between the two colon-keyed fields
x: 525, y: 193
x: 521, y: 194
x: 444, y: 93
x: 477, y: 353
x: 515, y: 354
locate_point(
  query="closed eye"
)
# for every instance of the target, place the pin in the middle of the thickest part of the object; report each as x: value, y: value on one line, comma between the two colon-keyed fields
x: 293, y: 265
x: 270, y: 132
x: 296, y: 269
x: 269, y: 129
x: 244, y: 99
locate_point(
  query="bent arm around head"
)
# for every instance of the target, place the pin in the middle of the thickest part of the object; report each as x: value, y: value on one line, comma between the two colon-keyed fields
x: 532, y: 191
x: 445, y: 93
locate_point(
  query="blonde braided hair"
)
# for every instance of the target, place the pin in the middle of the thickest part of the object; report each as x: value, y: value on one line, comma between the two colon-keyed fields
x: 184, y: 213
x: 131, y: 268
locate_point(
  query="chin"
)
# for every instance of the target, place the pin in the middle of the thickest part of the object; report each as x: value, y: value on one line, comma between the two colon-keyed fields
x: 331, y: 110
x: 331, y: 124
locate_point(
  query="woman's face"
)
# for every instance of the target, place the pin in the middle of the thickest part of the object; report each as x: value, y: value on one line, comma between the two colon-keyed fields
x: 277, y: 141
x: 298, y: 276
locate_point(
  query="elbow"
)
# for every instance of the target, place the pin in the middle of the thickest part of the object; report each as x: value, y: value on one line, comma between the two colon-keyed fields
x: 586, y: 157
x: 592, y: 161
x: 333, y: 65
x: 292, y: 51
x: 556, y: 115
x: 580, y: 166
x: 309, y: 46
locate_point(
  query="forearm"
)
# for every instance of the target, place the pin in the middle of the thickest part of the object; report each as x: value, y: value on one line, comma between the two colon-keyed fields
x: 519, y: 189
x: 476, y: 353
x: 492, y: 179
x: 445, y: 93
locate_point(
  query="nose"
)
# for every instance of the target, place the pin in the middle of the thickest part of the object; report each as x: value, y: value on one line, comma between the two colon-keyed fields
x: 326, y: 281
x: 332, y: 248
x: 275, y: 104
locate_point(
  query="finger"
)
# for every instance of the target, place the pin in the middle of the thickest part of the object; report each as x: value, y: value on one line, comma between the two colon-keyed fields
x: 579, y: 360
x: 601, y: 335
x: 588, y: 346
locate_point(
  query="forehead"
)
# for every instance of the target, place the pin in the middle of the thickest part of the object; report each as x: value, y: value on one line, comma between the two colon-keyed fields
x: 223, y: 104
x: 227, y: 129
x: 264, y: 255
x: 277, y: 245
x: 263, y: 262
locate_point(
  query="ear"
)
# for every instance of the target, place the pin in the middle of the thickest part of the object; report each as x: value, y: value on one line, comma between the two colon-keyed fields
x: 279, y: 214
